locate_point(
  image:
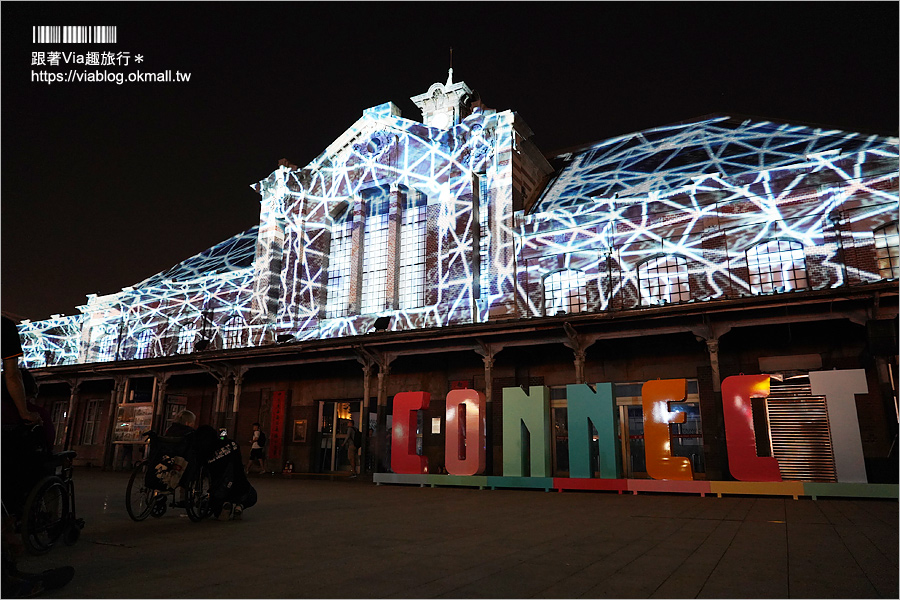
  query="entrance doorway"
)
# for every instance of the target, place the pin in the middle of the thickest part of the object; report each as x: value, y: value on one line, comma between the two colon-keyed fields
x: 686, y: 438
x: 334, y: 417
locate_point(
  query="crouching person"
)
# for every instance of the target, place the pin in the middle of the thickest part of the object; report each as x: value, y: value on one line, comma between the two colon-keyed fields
x: 230, y: 490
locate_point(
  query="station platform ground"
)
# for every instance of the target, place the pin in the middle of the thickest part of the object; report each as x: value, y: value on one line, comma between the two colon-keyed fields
x: 334, y: 537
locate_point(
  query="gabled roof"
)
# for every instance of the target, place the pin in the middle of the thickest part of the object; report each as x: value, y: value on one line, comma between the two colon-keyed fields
x: 664, y: 159
x: 234, y: 254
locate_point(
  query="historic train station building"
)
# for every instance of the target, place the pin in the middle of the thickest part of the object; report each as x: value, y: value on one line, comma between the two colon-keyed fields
x: 450, y: 253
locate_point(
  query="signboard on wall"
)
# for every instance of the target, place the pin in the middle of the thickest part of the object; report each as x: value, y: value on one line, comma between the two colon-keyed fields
x: 276, y: 423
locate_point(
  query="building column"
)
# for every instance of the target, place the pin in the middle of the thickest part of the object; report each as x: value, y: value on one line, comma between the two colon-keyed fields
x: 70, y: 413
x: 712, y: 345
x: 579, y: 345
x: 382, y: 441
x: 395, y: 220
x: 115, y: 398
x: 219, y: 405
x: 364, y: 412
x: 160, y: 381
x: 232, y: 417
x: 488, y: 352
x: 489, y: 413
x: 357, y: 249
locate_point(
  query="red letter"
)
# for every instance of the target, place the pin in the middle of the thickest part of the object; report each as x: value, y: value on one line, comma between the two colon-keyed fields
x: 464, y: 442
x: 740, y: 438
x: 403, y: 438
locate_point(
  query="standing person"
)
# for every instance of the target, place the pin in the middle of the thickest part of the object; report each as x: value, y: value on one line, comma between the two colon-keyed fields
x: 15, y: 412
x: 15, y: 404
x: 352, y: 443
x: 257, y: 449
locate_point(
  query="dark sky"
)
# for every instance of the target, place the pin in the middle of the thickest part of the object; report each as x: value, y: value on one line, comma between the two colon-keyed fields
x: 104, y: 185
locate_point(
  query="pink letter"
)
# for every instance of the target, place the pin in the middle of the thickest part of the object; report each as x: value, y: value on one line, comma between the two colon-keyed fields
x: 464, y: 441
x: 740, y: 438
x: 403, y: 438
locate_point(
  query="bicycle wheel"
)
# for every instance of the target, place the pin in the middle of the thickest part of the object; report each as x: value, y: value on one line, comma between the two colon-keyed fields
x: 198, y: 497
x: 139, y: 499
x: 44, y: 517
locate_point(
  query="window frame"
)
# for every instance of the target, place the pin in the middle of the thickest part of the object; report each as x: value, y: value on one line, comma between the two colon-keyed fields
x: 771, y: 286
x: 663, y: 281
x: 892, y: 270
x: 581, y: 292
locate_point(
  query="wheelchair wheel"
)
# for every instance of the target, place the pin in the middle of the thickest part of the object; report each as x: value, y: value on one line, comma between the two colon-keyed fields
x: 198, y: 497
x: 139, y: 499
x: 45, y: 514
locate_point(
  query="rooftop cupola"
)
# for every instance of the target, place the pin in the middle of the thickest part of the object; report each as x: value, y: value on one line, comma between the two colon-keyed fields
x: 444, y: 104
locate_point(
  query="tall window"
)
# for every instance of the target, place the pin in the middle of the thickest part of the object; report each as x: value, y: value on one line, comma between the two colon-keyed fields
x: 233, y: 333
x: 338, y: 293
x: 107, y: 348
x: 564, y: 292
x: 90, y: 432
x: 887, y: 242
x: 776, y: 266
x: 375, y: 251
x: 58, y: 416
x: 664, y: 279
x: 412, y: 251
x: 186, y: 338
x: 143, y: 344
x: 484, y: 237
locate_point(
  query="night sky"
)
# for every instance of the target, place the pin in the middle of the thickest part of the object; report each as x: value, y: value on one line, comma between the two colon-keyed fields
x: 104, y: 185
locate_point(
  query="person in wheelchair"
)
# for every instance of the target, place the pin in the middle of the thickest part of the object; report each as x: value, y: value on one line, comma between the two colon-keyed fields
x: 182, y: 428
x: 230, y: 490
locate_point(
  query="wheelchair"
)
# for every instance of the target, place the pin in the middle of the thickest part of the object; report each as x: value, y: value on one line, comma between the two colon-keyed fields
x: 48, y: 511
x: 171, y: 464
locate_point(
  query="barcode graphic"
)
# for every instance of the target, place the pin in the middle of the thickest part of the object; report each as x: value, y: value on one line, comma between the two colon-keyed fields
x: 73, y: 34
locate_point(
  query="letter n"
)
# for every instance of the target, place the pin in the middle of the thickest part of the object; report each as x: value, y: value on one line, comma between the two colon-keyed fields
x: 586, y: 407
x: 526, y: 432
x: 464, y: 452
x: 403, y: 438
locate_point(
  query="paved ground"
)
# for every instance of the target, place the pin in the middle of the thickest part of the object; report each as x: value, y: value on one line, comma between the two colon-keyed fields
x: 317, y: 538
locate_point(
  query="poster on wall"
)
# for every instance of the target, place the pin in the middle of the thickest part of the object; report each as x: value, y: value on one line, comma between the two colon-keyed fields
x: 300, y: 431
x: 276, y: 431
x: 132, y: 421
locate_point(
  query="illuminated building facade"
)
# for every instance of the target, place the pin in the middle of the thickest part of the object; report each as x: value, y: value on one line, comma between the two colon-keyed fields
x: 451, y: 253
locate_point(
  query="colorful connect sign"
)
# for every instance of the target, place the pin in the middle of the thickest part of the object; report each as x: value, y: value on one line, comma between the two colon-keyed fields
x: 526, y: 429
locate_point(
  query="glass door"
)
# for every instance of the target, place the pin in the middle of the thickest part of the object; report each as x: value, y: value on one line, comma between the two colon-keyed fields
x: 334, y: 417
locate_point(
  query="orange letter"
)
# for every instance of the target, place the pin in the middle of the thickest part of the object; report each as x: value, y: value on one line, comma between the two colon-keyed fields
x: 740, y: 438
x: 403, y: 438
x: 464, y: 441
x: 656, y: 396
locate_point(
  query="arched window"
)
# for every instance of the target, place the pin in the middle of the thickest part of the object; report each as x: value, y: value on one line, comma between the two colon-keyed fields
x: 887, y: 251
x: 564, y: 293
x: 145, y: 337
x: 776, y: 266
x: 338, y: 293
x: 186, y: 338
x: 663, y: 280
x: 233, y: 333
x: 411, y: 280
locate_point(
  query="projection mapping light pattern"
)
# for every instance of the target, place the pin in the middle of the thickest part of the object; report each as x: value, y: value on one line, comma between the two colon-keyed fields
x: 716, y: 208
